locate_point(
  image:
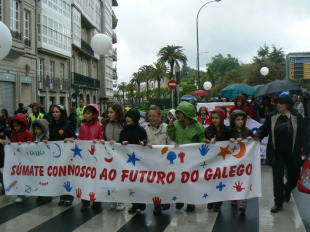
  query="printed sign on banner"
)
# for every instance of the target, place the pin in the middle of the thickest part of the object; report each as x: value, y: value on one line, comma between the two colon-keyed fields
x: 192, y: 173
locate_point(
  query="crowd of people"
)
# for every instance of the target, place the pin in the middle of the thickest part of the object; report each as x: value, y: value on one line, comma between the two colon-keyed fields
x: 283, y: 121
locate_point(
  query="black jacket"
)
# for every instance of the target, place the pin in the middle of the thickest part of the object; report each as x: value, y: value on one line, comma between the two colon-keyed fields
x: 133, y: 134
x: 61, y: 131
x: 210, y: 133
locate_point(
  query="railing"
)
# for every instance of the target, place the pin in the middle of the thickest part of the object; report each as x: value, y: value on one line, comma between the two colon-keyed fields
x: 114, y: 3
x: 114, y: 54
x: 114, y: 20
x: 87, y: 48
x: 27, y: 42
x: 16, y: 35
x: 79, y: 79
x: 114, y: 74
x: 114, y: 38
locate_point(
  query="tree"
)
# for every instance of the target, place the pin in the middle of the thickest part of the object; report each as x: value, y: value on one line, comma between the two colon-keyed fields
x: 138, y: 78
x: 130, y: 88
x: 264, y: 56
x: 172, y: 55
x: 165, y: 92
x: 146, y: 72
x: 158, y: 72
x: 122, y: 87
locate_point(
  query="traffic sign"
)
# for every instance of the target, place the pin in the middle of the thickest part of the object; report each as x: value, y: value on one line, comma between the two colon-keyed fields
x: 47, y: 80
x: 172, y: 84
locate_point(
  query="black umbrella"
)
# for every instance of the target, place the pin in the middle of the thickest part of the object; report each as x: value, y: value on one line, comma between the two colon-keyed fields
x: 277, y: 86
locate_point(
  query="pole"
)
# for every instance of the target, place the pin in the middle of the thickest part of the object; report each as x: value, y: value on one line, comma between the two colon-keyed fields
x: 197, y: 38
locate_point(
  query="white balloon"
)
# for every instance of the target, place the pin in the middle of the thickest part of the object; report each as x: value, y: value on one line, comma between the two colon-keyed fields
x: 101, y: 44
x: 264, y: 71
x: 207, y: 85
x: 5, y: 40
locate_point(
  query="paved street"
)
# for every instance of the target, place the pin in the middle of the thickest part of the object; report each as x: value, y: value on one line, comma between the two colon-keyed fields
x: 50, y: 217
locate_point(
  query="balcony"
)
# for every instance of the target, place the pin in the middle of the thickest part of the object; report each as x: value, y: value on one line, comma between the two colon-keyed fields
x: 114, y: 3
x: 114, y: 20
x: 81, y: 80
x: 114, y: 74
x: 87, y: 48
x: 114, y: 54
x: 114, y: 38
x: 27, y: 42
x: 16, y: 35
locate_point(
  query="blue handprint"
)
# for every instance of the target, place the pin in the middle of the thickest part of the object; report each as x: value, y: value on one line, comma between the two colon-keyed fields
x: 171, y: 156
x: 204, y: 149
x: 67, y: 186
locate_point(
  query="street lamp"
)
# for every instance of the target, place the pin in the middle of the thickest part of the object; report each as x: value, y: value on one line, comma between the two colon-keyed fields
x: 198, y: 40
x: 196, y: 64
x: 5, y: 40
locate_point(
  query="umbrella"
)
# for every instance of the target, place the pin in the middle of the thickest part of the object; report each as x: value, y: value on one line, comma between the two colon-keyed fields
x: 200, y: 93
x: 233, y: 90
x: 277, y: 86
x: 37, y: 105
x: 188, y: 98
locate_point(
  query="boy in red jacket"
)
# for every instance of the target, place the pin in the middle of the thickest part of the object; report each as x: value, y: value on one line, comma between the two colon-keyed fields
x: 91, y: 130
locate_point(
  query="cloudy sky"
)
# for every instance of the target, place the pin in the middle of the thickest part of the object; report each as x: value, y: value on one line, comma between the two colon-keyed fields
x: 236, y: 27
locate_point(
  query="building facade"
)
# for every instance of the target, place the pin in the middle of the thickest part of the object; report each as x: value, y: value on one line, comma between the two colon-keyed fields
x: 51, y: 60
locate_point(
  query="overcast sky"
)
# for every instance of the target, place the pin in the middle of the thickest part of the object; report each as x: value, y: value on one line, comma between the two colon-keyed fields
x: 236, y: 27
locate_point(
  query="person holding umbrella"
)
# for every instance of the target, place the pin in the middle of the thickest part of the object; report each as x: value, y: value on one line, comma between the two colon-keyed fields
x: 287, y: 140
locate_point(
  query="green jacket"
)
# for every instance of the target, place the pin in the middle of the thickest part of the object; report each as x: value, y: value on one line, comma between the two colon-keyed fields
x: 193, y: 132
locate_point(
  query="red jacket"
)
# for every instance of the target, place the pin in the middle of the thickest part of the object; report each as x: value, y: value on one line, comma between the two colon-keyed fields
x: 91, y: 130
x: 23, y: 135
x: 208, y: 117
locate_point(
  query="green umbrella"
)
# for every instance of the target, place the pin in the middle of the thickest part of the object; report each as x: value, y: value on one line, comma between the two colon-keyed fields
x: 233, y: 90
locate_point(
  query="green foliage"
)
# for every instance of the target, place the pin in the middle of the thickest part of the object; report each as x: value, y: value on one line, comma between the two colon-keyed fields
x: 265, y: 56
x: 188, y: 88
x: 161, y: 103
x: 231, y: 77
x: 220, y: 65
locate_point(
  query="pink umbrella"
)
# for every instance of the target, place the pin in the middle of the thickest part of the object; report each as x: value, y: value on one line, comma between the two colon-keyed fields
x: 200, y: 93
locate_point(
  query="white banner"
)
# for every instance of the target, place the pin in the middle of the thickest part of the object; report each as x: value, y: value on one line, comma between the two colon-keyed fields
x: 191, y: 173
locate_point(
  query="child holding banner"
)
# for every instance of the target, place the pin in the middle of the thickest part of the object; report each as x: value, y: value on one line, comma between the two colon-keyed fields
x: 238, y: 132
x: 133, y: 133
x: 40, y: 129
x: 217, y: 131
x: 157, y: 135
x: 113, y: 125
x: 61, y: 129
x: 186, y: 130
x: 19, y: 134
x: 91, y: 130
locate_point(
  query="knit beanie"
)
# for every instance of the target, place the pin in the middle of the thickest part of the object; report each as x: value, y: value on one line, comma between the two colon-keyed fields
x: 134, y: 114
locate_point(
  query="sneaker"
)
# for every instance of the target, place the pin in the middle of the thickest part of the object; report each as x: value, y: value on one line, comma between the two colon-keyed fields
x: 19, y: 200
x: 157, y: 210
x: 96, y: 205
x: 233, y: 203
x: 179, y: 205
x: 276, y: 208
x: 142, y: 207
x: 68, y: 203
x: 61, y: 202
x: 210, y: 206
x: 287, y: 197
x: 120, y: 206
x: 242, y: 208
x: 84, y: 207
x: 190, y: 208
x: 113, y: 205
x: 165, y: 206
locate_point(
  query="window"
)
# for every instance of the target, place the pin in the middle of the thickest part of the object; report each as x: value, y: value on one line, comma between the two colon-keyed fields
x: 52, y: 66
x: 1, y: 10
x: 84, y: 68
x: 15, y: 19
x: 27, y: 28
x: 41, y: 67
x: 61, y: 71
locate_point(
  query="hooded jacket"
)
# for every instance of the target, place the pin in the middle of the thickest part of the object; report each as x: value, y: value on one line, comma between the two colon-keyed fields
x: 23, y: 135
x: 43, y: 124
x: 207, y: 120
x: 158, y: 135
x: 193, y: 132
x: 93, y: 129
x: 62, y: 129
x: 133, y: 133
x: 212, y: 132
x: 244, y: 132
x: 243, y: 107
x: 172, y: 111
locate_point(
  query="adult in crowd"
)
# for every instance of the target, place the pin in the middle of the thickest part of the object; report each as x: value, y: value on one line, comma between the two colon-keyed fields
x: 49, y: 115
x: 298, y: 105
x: 287, y: 145
x: 35, y: 115
x: 306, y: 103
x: 157, y: 134
x: 61, y: 129
x: 20, y: 109
x: 73, y: 118
x: 266, y: 107
x: 79, y: 112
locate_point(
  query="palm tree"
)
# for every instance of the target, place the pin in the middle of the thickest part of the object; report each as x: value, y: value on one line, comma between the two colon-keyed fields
x: 159, y: 71
x: 137, y: 78
x: 131, y: 87
x: 122, y: 87
x: 146, y: 70
x: 172, y: 55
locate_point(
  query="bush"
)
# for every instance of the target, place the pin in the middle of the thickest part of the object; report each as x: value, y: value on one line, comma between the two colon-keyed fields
x: 161, y: 103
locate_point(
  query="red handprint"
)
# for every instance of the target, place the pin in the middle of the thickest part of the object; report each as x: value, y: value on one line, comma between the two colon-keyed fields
x: 78, y: 193
x: 93, y: 149
x: 181, y: 155
x: 238, y: 186
x: 92, y: 196
x: 156, y: 200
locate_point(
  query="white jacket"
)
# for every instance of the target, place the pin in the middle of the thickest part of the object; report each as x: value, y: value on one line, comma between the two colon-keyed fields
x: 158, y: 136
